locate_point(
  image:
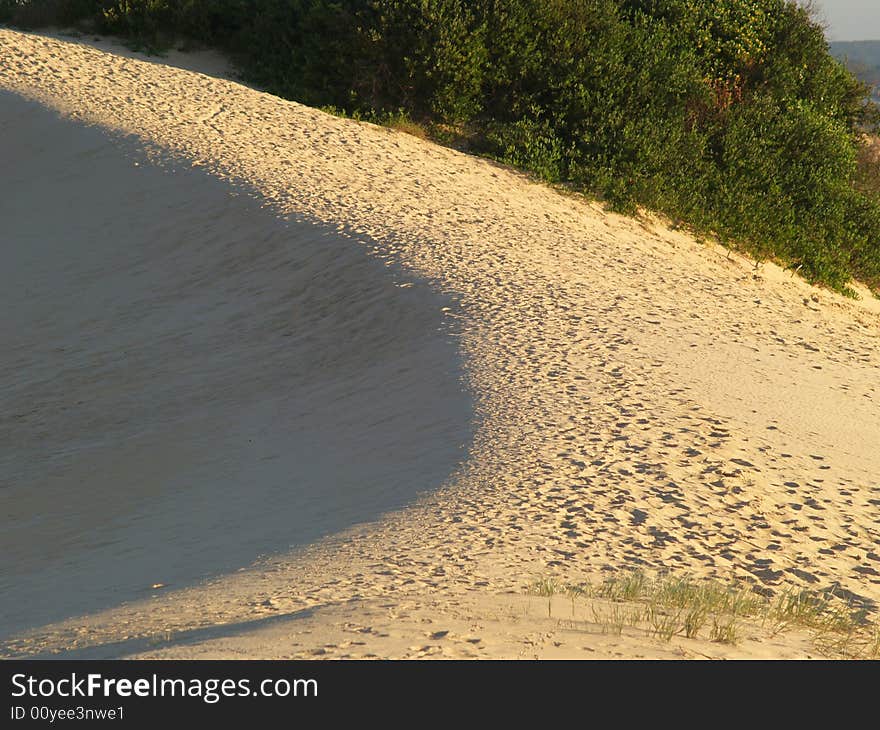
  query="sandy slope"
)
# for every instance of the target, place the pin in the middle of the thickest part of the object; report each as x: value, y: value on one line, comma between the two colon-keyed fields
x: 641, y: 399
x: 190, y: 382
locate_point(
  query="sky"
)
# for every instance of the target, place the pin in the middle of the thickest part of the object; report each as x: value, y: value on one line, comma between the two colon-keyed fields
x: 850, y: 20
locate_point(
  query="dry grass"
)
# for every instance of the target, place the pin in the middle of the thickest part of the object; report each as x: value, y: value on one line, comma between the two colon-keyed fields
x: 408, y: 126
x: 665, y: 607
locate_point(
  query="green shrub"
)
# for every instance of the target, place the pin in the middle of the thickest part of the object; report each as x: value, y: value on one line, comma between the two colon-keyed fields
x: 731, y: 115
x: 39, y: 13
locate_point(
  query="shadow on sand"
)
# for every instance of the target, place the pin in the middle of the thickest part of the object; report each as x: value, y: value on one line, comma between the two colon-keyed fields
x: 188, y: 381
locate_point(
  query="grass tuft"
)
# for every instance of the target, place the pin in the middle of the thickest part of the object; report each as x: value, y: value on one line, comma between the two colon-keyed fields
x: 668, y: 606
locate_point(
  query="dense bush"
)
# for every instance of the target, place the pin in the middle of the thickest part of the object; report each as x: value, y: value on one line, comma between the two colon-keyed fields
x: 731, y: 115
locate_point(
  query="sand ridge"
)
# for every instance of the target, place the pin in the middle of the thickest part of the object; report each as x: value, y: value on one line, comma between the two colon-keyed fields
x: 642, y: 400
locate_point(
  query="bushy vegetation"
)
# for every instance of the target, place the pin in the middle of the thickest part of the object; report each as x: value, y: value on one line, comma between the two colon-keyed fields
x: 730, y: 115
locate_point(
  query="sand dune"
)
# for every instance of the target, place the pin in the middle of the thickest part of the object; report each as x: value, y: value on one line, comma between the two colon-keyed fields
x: 189, y: 382
x: 639, y: 399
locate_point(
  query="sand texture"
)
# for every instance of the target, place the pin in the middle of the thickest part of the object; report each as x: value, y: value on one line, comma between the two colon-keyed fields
x: 558, y: 391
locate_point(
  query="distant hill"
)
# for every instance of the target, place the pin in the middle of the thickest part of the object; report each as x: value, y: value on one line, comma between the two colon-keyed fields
x: 863, y: 59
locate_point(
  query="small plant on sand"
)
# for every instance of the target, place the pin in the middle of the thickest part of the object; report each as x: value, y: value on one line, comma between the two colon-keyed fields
x: 724, y: 631
x: 669, y: 606
x: 663, y: 624
x: 627, y: 587
x: 612, y: 621
x: 546, y: 588
x: 694, y: 620
x: 794, y: 608
x: 577, y: 591
x: 838, y: 628
x: 707, y: 595
x: 873, y: 647
x: 402, y: 122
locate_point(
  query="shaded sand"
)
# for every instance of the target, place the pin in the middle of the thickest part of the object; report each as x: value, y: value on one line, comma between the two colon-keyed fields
x: 642, y: 400
x: 189, y: 382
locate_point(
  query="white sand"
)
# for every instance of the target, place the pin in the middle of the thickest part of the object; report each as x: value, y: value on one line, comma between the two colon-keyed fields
x: 641, y: 399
